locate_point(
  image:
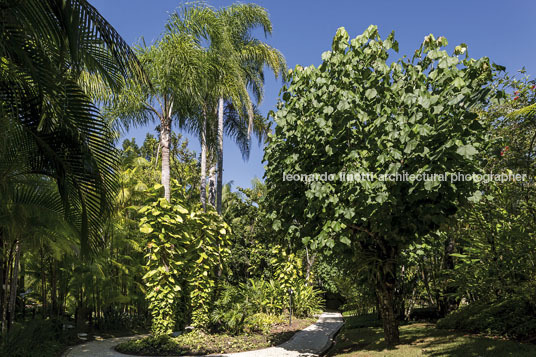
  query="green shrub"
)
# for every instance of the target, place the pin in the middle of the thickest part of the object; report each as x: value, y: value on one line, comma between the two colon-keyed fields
x: 116, y: 320
x: 36, y: 338
x: 230, y: 310
x: 360, y: 321
x: 230, y: 318
x: 255, y: 306
x: 150, y: 345
x: 307, y: 300
x: 267, y: 296
x: 261, y: 322
x: 424, y: 314
x: 513, y: 318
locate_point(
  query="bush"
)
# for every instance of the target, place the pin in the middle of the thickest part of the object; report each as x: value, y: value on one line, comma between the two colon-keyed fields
x: 307, y: 300
x: 513, y: 318
x: 230, y: 318
x: 117, y: 320
x: 267, y: 296
x: 36, y: 338
x: 261, y: 322
x: 150, y: 345
x: 255, y: 306
x: 230, y: 310
x: 424, y: 314
x: 361, y: 321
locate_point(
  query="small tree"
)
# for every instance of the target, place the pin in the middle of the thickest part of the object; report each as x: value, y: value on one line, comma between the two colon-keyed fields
x: 360, y: 113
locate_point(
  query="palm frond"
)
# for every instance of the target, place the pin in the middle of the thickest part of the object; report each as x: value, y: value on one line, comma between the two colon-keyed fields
x: 527, y: 111
x: 49, y: 51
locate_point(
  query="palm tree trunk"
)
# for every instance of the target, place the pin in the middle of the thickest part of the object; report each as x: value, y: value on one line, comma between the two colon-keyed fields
x: 203, y: 187
x: 14, y: 283
x: 219, y: 186
x: 165, y: 133
x: 212, y: 186
x: 5, y: 297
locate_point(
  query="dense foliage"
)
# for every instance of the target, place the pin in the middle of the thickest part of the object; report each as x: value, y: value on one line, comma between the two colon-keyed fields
x: 408, y: 117
x: 513, y: 318
x: 363, y: 208
x: 185, y: 252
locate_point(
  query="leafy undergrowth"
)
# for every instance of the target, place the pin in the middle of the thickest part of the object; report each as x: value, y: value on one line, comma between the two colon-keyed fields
x: 514, y: 318
x: 198, y: 342
x: 48, y: 338
x: 421, y: 339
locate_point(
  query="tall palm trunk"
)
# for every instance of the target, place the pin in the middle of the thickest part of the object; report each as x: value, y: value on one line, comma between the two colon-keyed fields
x: 5, y: 296
x: 219, y: 185
x: 203, y: 187
x: 165, y: 133
x: 212, y: 186
x: 14, y: 283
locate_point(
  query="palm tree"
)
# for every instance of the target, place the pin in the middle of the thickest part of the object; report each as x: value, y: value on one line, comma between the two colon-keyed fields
x: 239, y: 131
x: 251, y: 55
x: 57, y: 130
x: 239, y: 61
x: 177, y: 68
x: 57, y: 159
x: 31, y: 206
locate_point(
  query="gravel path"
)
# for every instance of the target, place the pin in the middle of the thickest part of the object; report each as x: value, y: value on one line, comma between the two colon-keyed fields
x: 99, y: 348
x: 311, y: 341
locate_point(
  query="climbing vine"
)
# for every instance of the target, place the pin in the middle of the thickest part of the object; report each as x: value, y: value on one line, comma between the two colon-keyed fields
x: 185, y: 250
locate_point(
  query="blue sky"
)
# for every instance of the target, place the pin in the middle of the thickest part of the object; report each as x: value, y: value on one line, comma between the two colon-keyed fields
x: 503, y: 30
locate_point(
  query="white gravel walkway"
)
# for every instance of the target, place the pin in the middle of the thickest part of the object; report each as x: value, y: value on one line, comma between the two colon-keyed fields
x: 311, y: 341
x: 104, y: 347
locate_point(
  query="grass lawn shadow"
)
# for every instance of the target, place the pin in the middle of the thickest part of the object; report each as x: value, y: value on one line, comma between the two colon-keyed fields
x: 421, y: 339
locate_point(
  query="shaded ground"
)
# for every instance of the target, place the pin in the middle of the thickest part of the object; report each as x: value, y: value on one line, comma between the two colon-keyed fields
x: 422, y: 339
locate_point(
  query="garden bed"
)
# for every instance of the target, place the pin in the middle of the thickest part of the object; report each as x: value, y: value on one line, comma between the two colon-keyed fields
x: 198, y: 342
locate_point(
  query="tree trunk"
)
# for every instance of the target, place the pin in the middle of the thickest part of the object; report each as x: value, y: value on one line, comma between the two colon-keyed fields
x: 3, y: 269
x: 165, y: 133
x: 81, y: 311
x: 53, y: 287
x: 203, y: 184
x: 22, y: 286
x: 447, y: 302
x: 219, y: 188
x: 14, y: 283
x: 212, y: 187
x: 386, y: 297
x: 43, y: 284
x: 385, y: 291
x: 5, y: 297
x: 310, y: 262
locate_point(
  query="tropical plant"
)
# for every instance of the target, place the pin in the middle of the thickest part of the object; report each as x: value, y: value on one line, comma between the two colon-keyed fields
x: 57, y: 160
x: 178, y: 70
x: 306, y: 300
x: 46, y: 46
x: 185, y: 251
x: 239, y: 60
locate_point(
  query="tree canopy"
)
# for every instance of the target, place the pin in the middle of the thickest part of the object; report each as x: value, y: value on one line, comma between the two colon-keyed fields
x: 363, y: 115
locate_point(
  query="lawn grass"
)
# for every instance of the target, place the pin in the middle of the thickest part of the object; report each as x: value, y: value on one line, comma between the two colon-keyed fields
x: 198, y: 342
x: 421, y: 339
